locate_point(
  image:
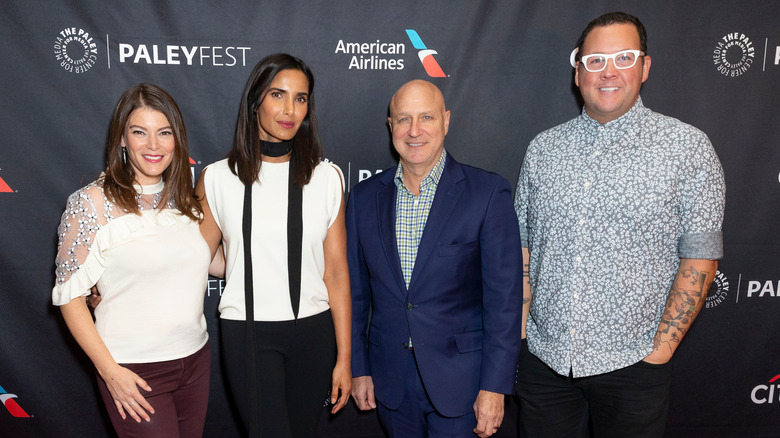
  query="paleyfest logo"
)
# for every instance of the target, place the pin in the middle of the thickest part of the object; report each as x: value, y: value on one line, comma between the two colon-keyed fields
x: 755, y: 289
x: 75, y: 49
x: 733, y: 54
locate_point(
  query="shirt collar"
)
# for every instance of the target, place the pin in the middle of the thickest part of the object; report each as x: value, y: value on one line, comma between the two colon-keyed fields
x: 629, y: 118
x: 433, y: 176
x: 149, y: 189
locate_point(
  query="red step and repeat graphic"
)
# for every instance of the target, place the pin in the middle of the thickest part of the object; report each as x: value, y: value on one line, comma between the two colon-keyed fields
x: 503, y: 67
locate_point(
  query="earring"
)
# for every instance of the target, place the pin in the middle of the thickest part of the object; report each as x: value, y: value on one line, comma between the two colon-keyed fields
x: 124, y: 154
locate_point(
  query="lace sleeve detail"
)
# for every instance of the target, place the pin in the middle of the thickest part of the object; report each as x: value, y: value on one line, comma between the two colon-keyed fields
x: 78, y: 226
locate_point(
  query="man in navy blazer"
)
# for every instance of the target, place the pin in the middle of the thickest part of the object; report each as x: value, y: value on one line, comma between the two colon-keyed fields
x: 435, y: 268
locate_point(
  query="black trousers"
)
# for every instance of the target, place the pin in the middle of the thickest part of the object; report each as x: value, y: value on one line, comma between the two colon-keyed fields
x: 629, y: 402
x: 294, y: 366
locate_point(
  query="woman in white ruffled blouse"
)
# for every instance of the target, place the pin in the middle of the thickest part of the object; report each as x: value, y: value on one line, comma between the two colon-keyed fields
x: 134, y: 234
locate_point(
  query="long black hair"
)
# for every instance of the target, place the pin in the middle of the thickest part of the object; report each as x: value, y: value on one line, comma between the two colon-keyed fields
x: 245, y: 157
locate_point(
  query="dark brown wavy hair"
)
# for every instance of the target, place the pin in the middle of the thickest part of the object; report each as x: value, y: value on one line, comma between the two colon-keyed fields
x: 120, y: 176
x: 245, y: 157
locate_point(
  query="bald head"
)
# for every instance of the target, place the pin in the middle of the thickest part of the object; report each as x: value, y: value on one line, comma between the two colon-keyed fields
x: 418, y: 122
x: 417, y: 90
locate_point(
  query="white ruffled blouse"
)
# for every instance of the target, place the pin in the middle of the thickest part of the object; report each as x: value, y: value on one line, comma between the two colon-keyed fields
x: 151, y: 270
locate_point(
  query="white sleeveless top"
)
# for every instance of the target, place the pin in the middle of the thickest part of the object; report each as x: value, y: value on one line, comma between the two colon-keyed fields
x: 321, y: 202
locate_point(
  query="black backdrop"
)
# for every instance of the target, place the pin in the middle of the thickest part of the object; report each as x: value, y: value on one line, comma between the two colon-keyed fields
x: 63, y: 65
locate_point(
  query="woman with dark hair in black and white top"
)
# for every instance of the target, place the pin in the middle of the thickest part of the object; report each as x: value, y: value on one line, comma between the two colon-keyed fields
x: 278, y: 210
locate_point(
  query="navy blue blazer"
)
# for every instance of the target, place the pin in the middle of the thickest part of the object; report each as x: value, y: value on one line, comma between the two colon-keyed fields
x: 464, y: 302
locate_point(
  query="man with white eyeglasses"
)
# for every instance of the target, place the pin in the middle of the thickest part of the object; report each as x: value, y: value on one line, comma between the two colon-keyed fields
x: 620, y: 213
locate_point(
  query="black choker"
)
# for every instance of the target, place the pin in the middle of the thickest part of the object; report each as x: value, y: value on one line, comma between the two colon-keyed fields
x: 276, y: 149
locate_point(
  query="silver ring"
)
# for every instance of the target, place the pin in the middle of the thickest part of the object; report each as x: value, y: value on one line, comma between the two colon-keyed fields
x: 131, y: 403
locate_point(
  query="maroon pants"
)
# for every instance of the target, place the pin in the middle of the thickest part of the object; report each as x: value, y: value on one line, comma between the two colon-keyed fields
x: 180, y: 395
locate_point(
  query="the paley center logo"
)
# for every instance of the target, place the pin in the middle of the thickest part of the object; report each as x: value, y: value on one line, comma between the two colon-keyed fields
x: 719, y: 290
x: 75, y: 50
x: 734, y: 54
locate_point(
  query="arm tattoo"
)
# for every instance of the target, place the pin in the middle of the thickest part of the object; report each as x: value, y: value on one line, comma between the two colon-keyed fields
x: 689, y: 288
x: 526, y: 277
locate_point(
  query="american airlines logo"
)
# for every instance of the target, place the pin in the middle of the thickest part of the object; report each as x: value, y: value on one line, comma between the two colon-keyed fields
x: 192, y: 169
x: 4, y: 187
x: 387, y: 55
x: 426, y: 55
x: 11, y: 405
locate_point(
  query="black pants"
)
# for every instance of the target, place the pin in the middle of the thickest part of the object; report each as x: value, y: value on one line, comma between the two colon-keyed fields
x: 629, y: 402
x: 294, y: 366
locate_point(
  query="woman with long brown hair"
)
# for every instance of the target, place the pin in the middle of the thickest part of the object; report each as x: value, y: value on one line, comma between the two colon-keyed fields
x: 134, y: 233
x: 278, y: 209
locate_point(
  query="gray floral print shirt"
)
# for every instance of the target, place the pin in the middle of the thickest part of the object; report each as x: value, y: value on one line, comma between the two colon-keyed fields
x: 606, y: 212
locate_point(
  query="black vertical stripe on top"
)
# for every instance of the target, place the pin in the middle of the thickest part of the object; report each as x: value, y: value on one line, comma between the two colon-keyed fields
x: 251, y: 358
x: 294, y: 239
x: 294, y: 249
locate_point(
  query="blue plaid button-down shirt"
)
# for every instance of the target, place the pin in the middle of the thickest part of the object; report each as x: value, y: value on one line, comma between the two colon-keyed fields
x: 411, y: 214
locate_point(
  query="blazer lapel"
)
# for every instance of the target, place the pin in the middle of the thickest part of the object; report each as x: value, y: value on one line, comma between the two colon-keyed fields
x: 385, y: 201
x: 447, y: 194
